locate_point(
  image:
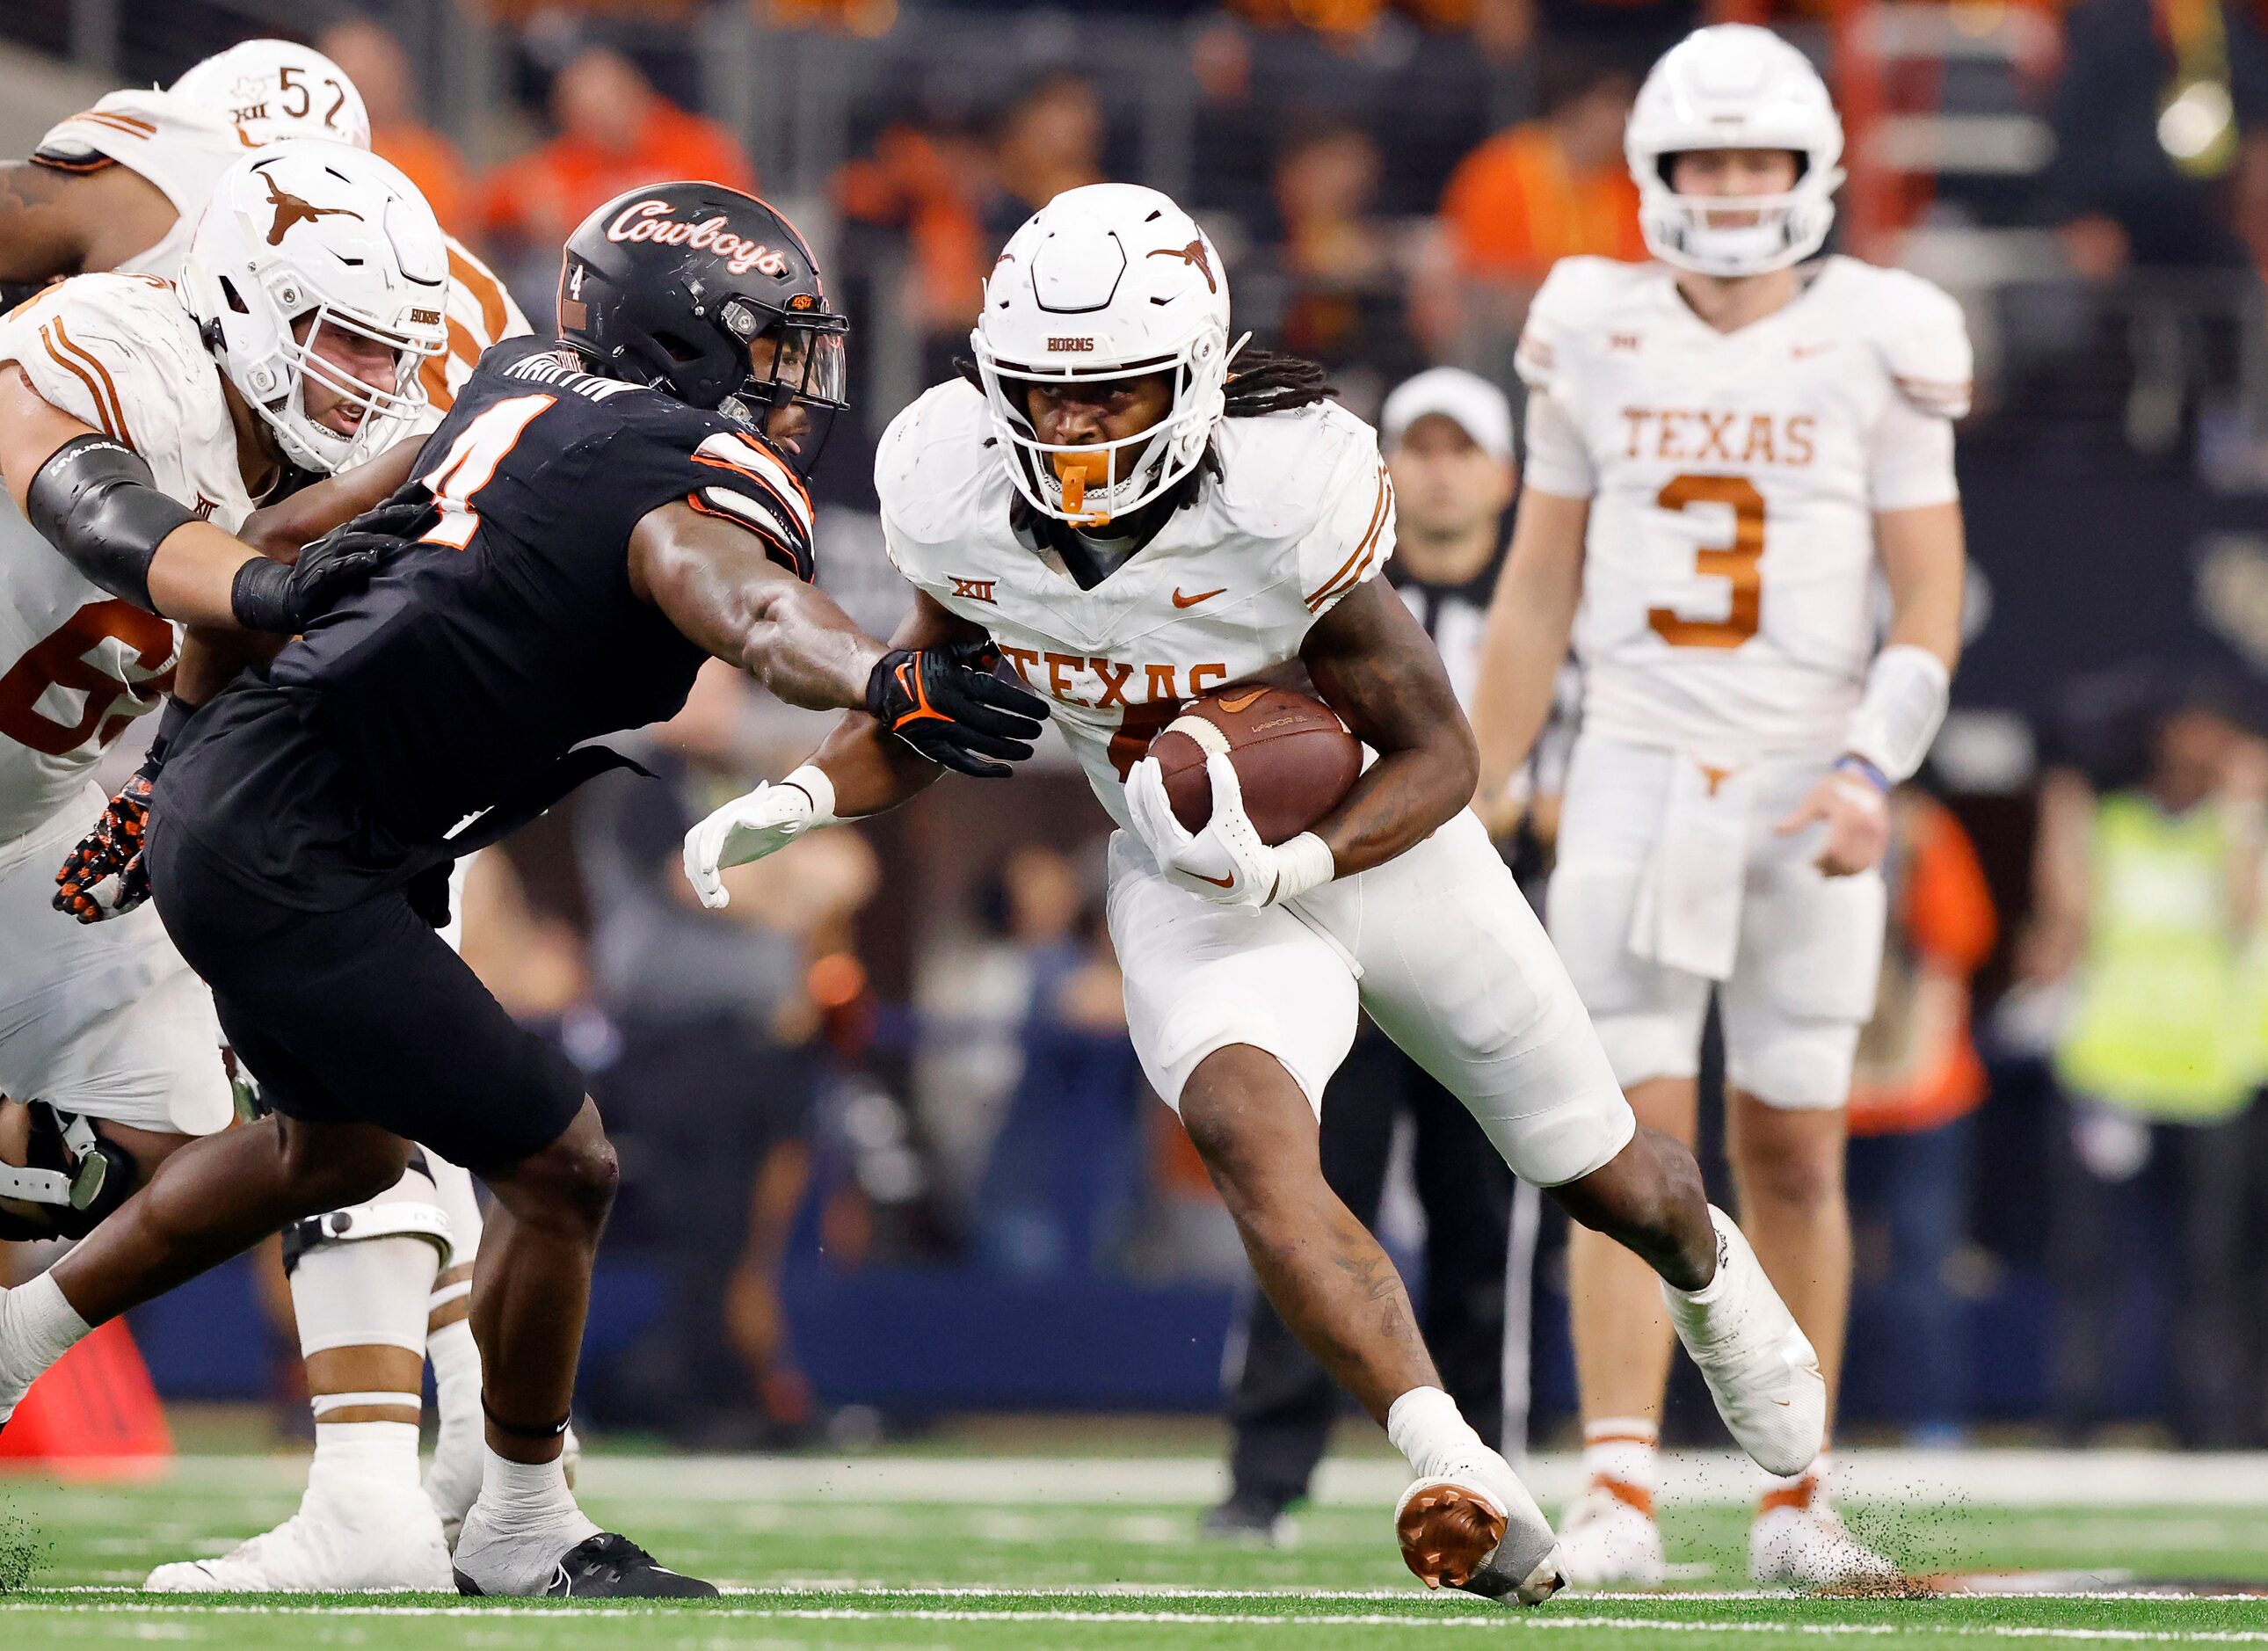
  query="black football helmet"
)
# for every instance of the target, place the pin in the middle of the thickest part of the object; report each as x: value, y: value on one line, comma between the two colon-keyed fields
x: 708, y: 294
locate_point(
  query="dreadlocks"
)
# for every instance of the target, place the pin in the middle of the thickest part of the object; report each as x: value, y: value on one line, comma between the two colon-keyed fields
x: 1264, y: 381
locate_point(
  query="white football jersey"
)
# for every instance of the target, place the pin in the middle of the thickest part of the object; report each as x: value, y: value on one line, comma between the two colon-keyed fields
x: 183, y: 149
x: 1301, y: 514
x: 1733, y: 478
x: 77, y: 664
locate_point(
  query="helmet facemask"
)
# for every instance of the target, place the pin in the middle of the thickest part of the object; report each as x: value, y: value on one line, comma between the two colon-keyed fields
x: 799, y: 378
x: 1734, y: 235
x: 385, y: 411
x: 1094, y: 483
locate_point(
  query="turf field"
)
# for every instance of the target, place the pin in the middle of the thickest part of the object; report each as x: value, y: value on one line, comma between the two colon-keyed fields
x: 986, y: 1552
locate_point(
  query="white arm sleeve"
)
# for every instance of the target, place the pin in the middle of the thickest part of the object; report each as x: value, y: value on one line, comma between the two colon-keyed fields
x: 1912, y: 461
x: 1558, y: 461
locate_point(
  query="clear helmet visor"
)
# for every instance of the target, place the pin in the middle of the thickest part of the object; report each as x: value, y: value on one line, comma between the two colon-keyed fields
x: 798, y: 379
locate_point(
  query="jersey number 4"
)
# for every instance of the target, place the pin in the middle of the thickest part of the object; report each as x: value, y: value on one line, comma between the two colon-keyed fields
x: 471, y: 462
x: 1736, y: 562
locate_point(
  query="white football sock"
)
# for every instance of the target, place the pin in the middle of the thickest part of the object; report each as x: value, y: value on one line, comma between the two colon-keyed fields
x: 351, y: 1456
x: 455, y: 1479
x: 1425, y: 1426
x: 37, y: 1327
x: 1626, y: 1449
x: 524, y: 1522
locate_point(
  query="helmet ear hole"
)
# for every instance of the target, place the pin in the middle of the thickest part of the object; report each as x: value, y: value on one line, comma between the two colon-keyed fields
x: 235, y: 298
x: 678, y: 348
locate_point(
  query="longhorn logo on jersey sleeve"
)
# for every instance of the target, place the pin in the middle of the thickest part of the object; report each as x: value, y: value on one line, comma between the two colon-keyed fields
x: 293, y: 209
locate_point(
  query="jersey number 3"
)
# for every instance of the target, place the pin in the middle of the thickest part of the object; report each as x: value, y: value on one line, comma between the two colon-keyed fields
x: 1736, y: 564
x: 471, y: 463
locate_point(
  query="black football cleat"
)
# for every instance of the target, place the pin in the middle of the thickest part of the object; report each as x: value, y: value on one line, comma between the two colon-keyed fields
x: 608, y: 1566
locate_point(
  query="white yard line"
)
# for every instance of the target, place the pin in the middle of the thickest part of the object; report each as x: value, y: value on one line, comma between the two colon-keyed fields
x: 1476, y: 1619
x: 1985, y: 1478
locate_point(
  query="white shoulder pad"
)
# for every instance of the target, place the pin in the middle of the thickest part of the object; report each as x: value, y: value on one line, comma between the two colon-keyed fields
x: 935, y: 471
x: 117, y: 352
x: 181, y: 149
x: 1310, y: 486
x: 1574, y: 298
x: 1922, y: 337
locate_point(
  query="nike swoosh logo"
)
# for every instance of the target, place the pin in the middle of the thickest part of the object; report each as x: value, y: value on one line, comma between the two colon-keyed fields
x: 1233, y: 706
x: 1803, y: 350
x: 1179, y: 601
x: 1217, y: 882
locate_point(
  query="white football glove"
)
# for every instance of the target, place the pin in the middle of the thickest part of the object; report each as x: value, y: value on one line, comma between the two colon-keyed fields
x: 748, y: 828
x: 1225, y: 863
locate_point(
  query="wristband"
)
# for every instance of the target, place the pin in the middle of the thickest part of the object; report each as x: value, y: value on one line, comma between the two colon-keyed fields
x: 1852, y: 762
x: 259, y: 597
x: 1305, y: 862
x: 813, y: 783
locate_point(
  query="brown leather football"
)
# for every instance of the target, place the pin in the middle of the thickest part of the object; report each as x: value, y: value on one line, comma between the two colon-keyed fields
x: 1293, y: 756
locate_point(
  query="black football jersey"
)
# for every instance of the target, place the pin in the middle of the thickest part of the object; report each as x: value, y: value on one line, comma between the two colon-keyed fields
x: 510, y: 633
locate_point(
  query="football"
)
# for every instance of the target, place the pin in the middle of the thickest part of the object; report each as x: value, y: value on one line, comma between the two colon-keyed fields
x: 1293, y: 755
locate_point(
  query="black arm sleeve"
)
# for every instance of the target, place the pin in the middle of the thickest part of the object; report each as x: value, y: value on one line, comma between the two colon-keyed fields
x: 96, y: 501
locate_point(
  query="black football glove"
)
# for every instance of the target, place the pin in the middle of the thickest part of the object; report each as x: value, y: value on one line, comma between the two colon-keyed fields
x: 266, y: 595
x: 946, y: 703
x: 105, y: 876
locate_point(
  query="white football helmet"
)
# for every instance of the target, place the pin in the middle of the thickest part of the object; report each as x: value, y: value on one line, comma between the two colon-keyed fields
x: 1735, y: 87
x: 333, y: 237
x: 1106, y: 280
x: 274, y: 90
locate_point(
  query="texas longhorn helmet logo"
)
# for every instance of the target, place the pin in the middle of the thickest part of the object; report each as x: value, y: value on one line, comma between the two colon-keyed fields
x: 291, y: 209
x: 1195, y: 255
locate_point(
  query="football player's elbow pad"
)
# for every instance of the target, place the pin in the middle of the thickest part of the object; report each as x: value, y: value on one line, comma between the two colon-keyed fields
x: 96, y: 501
x: 1907, y: 691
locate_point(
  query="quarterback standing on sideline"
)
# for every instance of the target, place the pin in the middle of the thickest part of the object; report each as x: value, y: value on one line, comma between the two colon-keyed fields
x: 1724, y: 448
x: 1132, y: 513
x: 377, y: 1288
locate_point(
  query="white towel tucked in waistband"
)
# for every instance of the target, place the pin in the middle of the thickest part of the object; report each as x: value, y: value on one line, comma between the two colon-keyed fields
x: 1688, y: 914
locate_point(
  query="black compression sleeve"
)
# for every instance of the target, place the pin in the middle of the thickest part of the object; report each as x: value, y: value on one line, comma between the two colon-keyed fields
x: 96, y: 501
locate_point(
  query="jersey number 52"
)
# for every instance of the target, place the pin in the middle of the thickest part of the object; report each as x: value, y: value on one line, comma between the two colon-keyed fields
x: 1735, y: 562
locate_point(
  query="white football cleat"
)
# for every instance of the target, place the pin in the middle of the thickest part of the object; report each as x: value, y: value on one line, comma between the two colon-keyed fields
x: 1799, y: 1539
x: 1474, y: 1527
x: 374, y: 1537
x: 1758, y: 1363
x: 1606, y: 1539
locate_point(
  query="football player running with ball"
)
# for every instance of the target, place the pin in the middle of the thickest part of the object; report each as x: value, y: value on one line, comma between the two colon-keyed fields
x: 1133, y: 512
x: 1723, y: 448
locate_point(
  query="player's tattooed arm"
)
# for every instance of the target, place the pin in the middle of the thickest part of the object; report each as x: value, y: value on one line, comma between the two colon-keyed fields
x: 55, y: 223
x: 40, y: 236
x: 1373, y: 664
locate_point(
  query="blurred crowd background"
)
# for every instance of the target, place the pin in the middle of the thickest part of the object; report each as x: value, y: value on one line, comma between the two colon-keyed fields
x: 887, y: 1149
